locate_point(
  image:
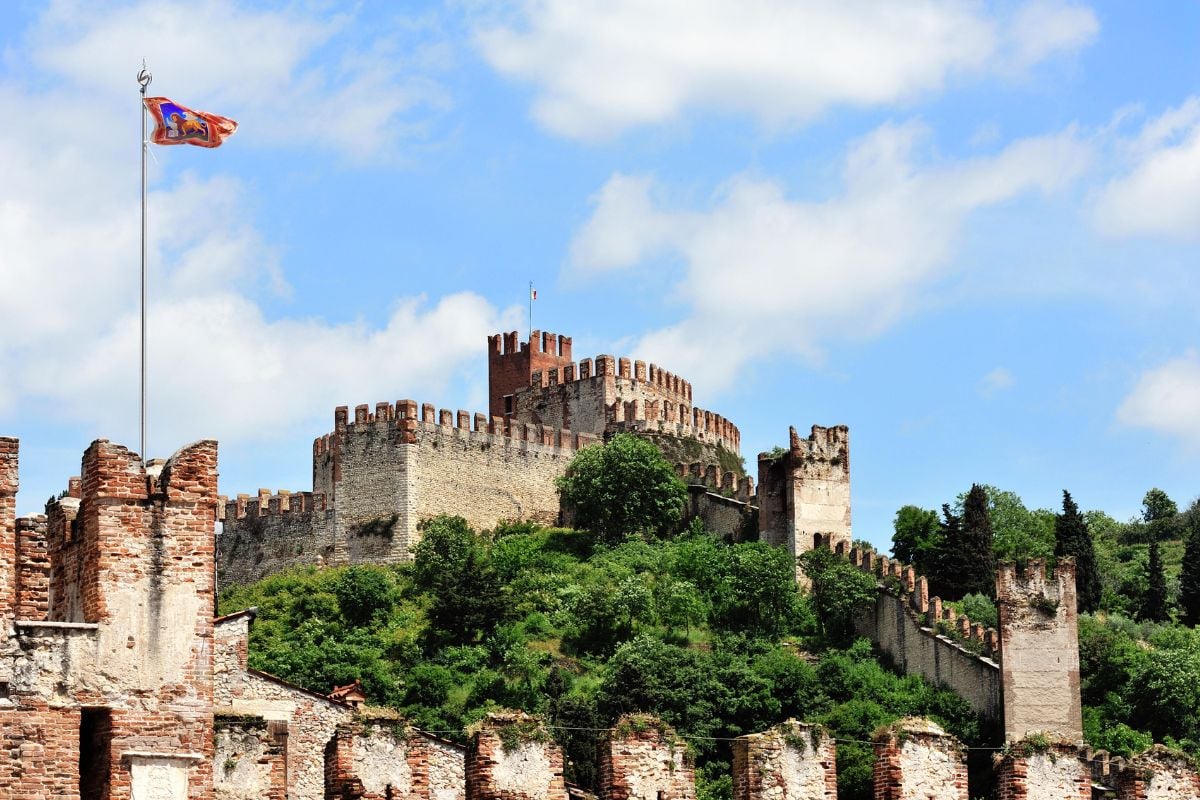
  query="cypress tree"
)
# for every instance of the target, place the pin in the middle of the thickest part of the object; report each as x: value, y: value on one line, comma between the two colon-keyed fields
x: 1071, y: 538
x: 1154, y: 604
x: 967, y: 564
x: 1189, y: 577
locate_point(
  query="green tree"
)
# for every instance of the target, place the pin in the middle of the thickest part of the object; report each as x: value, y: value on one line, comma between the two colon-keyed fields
x: 757, y: 594
x: 1071, y: 538
x: 452, y: 567
x: 621, y: 488
x: 840, y: 592
x: 362, y: 591
x: 966, y: 563
x: 916, y: 537
x: 1189, y: 576
x: 1157, y: 505
x: 1154, y: 603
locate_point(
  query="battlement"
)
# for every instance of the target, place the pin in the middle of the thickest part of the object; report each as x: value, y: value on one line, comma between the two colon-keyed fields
x: 511, y: 362
x: 266, y: 503
x: 408, y: 417
x: 825, y: 449
x: 710, y: 476
x: 668, y: 384
x: 932, y: 612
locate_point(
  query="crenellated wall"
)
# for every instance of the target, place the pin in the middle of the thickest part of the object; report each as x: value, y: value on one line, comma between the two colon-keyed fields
x: 925, y: 637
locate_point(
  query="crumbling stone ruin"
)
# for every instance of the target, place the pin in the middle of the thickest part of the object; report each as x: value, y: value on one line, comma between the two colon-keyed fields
x: 117, y: 683
x: 380, y: 472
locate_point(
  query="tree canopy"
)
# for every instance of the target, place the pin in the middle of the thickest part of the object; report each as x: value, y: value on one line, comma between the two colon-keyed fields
x: 1072, y: 539
x: 622, y: 488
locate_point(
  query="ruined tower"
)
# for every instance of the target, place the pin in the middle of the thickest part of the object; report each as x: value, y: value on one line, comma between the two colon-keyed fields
x: 1039, y: 650
x: 804, y: 494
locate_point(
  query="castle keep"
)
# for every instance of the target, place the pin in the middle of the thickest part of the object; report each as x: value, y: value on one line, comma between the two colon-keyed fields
x: 384, y: 469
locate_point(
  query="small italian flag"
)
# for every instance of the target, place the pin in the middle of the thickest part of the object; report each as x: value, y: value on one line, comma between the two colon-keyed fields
x: 532, y: 293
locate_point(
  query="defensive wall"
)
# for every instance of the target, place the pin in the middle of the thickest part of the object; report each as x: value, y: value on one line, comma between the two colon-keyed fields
x: 116, y: 682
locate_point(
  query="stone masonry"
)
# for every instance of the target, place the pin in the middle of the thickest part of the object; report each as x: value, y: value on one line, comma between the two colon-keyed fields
x: 792, y: 761
x: 917, y: 760
x: 643, y: 759
x: 804, y: 494
x: 511, y: 757
x: 1039, y: 650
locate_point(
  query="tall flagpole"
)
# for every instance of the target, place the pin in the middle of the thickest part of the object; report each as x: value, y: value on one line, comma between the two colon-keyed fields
x: 144, y: 77
x: 531, y: 313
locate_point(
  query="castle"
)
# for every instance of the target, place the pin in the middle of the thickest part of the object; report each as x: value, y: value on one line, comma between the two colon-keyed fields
x: 117, y: 682
x: 380, y: 472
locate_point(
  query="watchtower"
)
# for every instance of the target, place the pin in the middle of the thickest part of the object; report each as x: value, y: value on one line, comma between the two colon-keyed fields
x: 511, y: 365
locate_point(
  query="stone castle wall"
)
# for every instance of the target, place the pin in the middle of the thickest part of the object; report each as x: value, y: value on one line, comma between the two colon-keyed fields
x: 643, y: 759
x: 917, y: 760
x: 791, y: 761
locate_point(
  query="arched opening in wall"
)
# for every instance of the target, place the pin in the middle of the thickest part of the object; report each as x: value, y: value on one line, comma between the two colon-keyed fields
x: 816, y: 541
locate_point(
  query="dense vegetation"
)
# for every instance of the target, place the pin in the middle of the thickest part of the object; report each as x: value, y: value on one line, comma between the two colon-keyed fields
x: 711, y: 636
x: 1138, y: 582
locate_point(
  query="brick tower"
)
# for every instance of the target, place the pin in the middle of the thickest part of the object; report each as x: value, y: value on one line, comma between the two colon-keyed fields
x: 511, y: 366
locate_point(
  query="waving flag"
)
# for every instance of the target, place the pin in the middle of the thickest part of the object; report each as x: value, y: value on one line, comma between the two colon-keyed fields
x: 176, y: 124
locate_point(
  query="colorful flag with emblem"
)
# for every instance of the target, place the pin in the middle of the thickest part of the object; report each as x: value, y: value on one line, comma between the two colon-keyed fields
x: 176, y: 124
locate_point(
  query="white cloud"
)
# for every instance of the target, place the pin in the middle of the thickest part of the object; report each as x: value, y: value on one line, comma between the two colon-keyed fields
x: 995, y: 381
x: 288, y: 77
x: 602, y: 66
x: 221, y: 361
x: 1041, y: 28
x: 1159, y: 194
x: 1165, y: 399
x: 787, y: 274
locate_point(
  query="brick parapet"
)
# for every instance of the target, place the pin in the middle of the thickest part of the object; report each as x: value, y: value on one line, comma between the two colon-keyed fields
x: 511, y: 757
x: 33, y: 569
x: 1039, y: 769
x: 709, y: 475
x: 642, y: 758
x: 792, y: 761
x: 914, y: 758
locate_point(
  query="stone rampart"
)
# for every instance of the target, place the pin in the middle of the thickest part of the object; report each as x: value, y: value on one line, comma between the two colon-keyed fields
x: 268, y: 533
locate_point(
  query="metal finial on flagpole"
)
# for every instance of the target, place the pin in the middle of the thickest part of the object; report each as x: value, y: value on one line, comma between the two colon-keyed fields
x: 144, y: 78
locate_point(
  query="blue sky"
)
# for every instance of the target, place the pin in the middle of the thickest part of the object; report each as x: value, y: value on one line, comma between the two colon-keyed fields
x: 969, y: 231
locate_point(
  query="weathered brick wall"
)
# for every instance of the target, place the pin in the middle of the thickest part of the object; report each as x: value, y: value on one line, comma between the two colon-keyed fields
x: 529, y: 767
x: 805, y: 493
x: 1157, y: 774
x: 440, y: 766
x: 916, y: 760
x: 39, y: 751
x: 1054, y: 773
x: 266, y: 534
x: 643, y: 759
x: 1039, y: 650
x: 9, y: 461
x: 791, y: 761
x: 33, y: 569
x: 250, y: 760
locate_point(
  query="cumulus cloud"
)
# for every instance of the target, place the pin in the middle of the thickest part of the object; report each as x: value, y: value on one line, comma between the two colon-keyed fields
x: 787, y: 274
x: 602, y: 66
x: 222, y: 359
x: 1165, y: 399
x: 1159, y: 191
x: 362, y: 100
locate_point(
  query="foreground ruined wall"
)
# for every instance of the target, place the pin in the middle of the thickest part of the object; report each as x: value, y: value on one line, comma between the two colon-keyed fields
x: 643, y: 759
x: 511, y: 757
x: 916, y: 760
x: 110, y: 681
x: 791, y: 761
